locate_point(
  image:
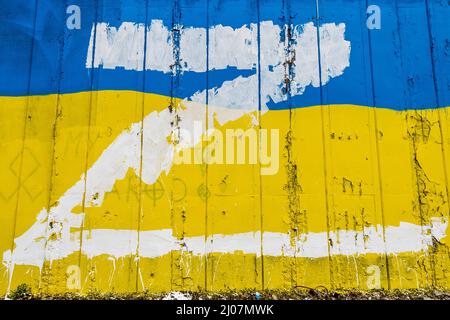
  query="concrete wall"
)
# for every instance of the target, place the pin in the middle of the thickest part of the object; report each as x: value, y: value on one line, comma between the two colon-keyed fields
x: 117, y: 174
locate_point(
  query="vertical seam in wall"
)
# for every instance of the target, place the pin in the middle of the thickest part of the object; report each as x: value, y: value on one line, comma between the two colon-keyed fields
x: 206, y: 127
x: 327, y: 205
x: 19, y: 174
x: 407, y: 103
x: 92, y: 77
x: 438, y: 105
x: 413, y: 140
x: 436, y: 90
x: 289, y: 76
x: 379, y: 175
x: 287, y: 39
x: 53, y: 151
x: 140, y: 213
x: 175, y: 78
x: 261, y: 234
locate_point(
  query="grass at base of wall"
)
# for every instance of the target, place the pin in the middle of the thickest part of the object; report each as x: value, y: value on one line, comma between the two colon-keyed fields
x: 24, y: 292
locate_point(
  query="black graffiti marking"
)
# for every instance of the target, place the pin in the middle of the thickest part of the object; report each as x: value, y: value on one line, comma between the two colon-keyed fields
x: 26, y: 175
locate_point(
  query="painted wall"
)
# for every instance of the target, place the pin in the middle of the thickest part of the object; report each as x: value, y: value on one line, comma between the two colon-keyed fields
x: 351, y: 128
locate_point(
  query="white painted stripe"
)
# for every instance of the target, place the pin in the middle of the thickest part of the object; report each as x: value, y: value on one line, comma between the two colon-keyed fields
x: 123, y: 47
x: 406, y: 237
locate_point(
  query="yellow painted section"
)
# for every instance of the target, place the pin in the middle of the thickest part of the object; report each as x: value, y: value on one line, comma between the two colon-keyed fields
x: 342, y: 167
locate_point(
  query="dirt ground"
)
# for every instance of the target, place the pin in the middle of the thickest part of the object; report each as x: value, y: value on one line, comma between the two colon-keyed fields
x: 300, y: 293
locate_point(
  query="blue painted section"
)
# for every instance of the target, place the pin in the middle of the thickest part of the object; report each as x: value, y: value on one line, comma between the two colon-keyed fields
x: 234, y: 13
x: 405, y: 65
x: 355, y: 82
x: 439, y: 24
x: 292, y: 12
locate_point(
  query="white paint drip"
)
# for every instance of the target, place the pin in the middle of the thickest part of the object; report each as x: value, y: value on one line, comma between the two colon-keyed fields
x: 406, y: 237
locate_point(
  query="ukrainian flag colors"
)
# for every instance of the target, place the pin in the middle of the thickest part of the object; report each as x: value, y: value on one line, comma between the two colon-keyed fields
x: 91, y: 197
